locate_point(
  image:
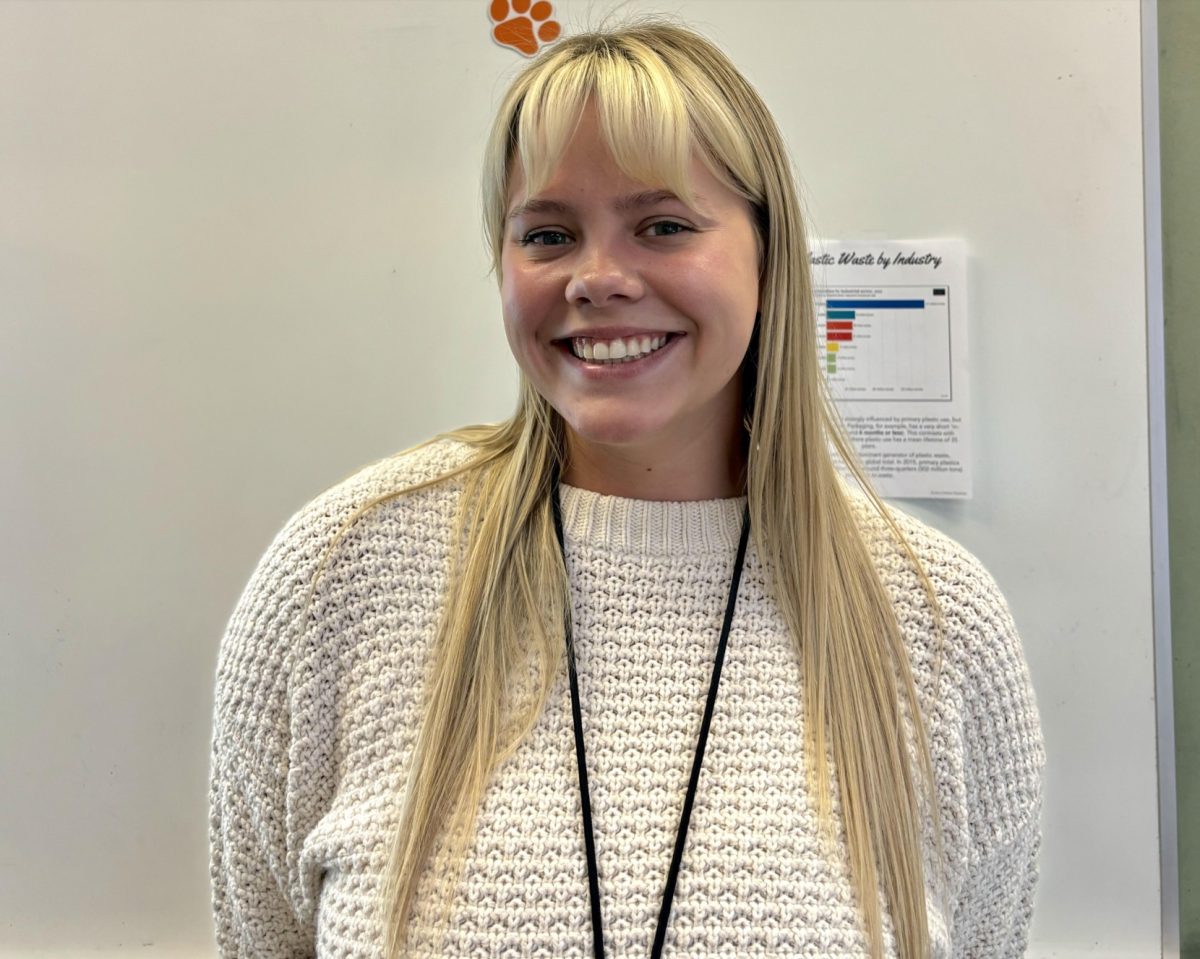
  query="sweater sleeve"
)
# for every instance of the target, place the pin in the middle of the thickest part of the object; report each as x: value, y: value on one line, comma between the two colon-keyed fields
x: 260, y: 904
x: 274, y: 770
x: 1003, y: 762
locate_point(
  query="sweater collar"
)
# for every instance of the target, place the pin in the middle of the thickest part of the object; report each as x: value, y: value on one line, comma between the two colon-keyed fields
x: 651, y: 526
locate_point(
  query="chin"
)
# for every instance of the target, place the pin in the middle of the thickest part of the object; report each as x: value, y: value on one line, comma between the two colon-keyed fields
x: 610, y: 430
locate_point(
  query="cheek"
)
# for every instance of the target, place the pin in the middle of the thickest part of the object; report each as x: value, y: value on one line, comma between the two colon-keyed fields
x: 534, y: 296
x: 737, y: 290
x: 512, y: 302
x: 526, y: 306
x: 748, y: 289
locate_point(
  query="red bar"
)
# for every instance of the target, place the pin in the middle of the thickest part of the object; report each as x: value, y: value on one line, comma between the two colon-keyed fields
x: 839, y: 324
x: 839, y: 337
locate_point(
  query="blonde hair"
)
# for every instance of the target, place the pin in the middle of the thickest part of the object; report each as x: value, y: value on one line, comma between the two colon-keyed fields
x: 663, y: 95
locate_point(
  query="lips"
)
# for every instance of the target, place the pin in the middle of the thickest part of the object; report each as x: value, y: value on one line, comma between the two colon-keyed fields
x: 602, y: 369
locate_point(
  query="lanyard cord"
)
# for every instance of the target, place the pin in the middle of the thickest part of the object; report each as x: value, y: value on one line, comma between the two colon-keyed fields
x: 589, y: 842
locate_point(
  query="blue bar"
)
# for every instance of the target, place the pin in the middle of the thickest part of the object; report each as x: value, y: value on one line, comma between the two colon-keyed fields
x: 839, y: 314
x: 874, y: 305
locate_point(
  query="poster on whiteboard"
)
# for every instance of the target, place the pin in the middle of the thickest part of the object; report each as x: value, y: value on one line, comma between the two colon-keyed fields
x: 892, y: 341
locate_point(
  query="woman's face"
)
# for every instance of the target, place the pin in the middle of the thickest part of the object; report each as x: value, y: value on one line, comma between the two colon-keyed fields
x: 629, y: 311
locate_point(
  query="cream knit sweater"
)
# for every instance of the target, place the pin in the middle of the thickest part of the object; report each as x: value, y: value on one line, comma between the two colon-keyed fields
x: 315, y: 729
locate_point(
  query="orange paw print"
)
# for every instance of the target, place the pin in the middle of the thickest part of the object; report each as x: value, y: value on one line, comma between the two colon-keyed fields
x: 529, y: 29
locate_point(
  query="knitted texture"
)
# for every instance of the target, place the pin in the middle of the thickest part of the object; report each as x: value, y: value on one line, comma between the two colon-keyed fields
x: 315, y: 730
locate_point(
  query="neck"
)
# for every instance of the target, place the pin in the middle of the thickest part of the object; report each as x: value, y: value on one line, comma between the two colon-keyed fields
x: 695, y: 469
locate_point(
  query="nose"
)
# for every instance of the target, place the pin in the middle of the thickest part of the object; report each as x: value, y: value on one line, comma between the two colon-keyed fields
x: 605, y: 273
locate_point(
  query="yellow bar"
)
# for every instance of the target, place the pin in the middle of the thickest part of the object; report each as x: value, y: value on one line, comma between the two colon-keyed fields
x: 832, y: 347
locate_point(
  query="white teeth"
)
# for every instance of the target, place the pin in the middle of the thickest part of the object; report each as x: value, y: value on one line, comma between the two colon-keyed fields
x: 616, y: 351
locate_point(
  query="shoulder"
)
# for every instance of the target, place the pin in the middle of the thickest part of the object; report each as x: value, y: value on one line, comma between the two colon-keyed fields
x: 288, y: 617
x: 380, y: 491
x: 965, y: 652
x: 320, y: 520
x: 977, y: 620
x: 321, y: 535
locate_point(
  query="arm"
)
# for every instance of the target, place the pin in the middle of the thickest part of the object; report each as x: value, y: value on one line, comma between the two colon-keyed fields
x: 1003, y: 763
x: 259, y: 905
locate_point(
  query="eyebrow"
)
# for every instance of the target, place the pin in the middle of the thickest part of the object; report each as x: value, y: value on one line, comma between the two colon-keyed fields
x: 633, y: 201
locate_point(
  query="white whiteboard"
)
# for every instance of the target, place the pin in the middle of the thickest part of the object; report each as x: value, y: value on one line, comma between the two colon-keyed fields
x: 240, y: 256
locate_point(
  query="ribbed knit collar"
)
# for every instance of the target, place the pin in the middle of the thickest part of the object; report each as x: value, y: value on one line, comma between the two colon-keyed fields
x: 650, y: 526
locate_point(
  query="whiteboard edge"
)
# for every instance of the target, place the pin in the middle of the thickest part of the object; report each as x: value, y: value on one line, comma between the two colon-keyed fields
x: 1159, y: 541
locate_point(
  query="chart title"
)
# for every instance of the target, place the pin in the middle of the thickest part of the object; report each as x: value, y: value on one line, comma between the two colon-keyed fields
x: 881, y: 259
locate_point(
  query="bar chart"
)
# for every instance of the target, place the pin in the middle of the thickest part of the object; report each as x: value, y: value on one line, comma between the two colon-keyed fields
x: 886, y: 342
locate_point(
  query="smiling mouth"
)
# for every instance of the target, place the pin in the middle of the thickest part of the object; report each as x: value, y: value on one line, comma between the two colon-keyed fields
x: 615, y: 351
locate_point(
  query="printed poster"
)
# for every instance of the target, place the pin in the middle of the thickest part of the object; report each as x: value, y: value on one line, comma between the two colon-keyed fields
x: 892, y: 341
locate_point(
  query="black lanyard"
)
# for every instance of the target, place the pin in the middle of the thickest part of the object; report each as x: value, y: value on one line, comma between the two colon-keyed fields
x: 664, y: 915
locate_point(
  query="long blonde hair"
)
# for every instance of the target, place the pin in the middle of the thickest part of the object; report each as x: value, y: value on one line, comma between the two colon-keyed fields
x: 663, y: 95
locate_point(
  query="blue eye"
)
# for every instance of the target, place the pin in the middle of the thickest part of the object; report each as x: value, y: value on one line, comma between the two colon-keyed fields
x: 545, y: 238
x: 668, y: 228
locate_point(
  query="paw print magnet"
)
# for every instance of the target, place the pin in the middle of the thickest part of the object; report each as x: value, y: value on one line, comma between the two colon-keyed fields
x: 524, y: 26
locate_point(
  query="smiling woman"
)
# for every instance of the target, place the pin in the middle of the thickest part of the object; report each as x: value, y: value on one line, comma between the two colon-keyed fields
x: 595, y: 271
x: 461, y: 706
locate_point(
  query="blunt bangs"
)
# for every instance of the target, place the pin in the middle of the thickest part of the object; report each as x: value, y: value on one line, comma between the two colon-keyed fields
x: 656, y: 111
x: 643, y: 119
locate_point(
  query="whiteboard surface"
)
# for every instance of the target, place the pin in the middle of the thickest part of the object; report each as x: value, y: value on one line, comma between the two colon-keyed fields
x: 240, y: 257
